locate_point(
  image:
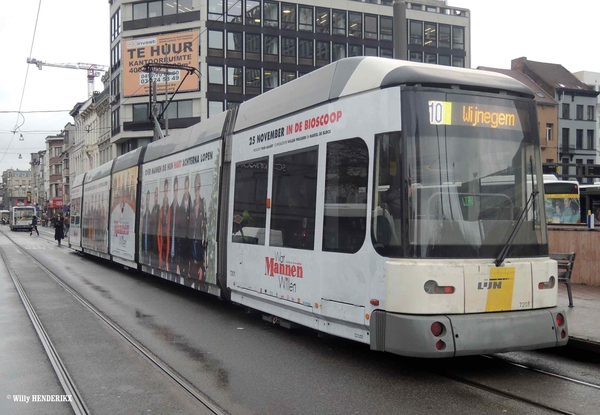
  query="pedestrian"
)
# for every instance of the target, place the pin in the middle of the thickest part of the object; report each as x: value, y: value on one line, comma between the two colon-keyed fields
x: 59, y: 229
x: 34, y: 222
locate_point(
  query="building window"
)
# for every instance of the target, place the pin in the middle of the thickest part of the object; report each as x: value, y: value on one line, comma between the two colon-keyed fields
x: 180, y: 109
x: 566, y: 111
x: 323, y: 53
x: 270, y: 79
x: 565, y: 138
x: 252, y: 46
x: 371, y: 30
x: 235, y: 80
x: 215, y: 43
x: 370, y: 51
x: 306, y: 19
x: 339, y: 22
x: 287, y: 76
x: 346, y: 179
x: 430, y: 58
x: 590, y: 113
x: 590, y: 140
x: 386, y: 53
x: 444, y: 36
x: 140, y: 11
x: 271, y: 46
x: 169, y: 7
x: 338, y: 51
x: 214, y: 108
x: 305, y: 52
x: 431, y: 34
x: 234, y: 45
x: 288, y: 50
x: 416, y: 33
x: 253, y: 12
x: 140, y: 112
x: 458, y: 37
x: 250, y: 193
x: 458, y: 61
x: 215, y: 10
x: 253, y: 81
x: 415, y: 56
x: 293, y: 206
x: 115, y: 25
x: 215, y: 75
x: 271, y: 14
x: 579, y: 114
x: 288, y: 16
x: 386, y: 30
x: 234, y: 11
x: 355, y: 25
x: 322, y: 20
x: 549, y: 128
x: 355, y: 50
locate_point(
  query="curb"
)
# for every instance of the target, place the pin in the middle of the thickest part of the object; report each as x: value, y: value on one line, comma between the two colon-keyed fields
x: 583, y: 344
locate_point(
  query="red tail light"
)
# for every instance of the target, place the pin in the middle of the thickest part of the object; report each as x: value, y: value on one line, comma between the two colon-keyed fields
x: 440, y: 345
x: 548, y: 284
x: 437, y: 329
x: 560, y: 320
x: 432, y: 287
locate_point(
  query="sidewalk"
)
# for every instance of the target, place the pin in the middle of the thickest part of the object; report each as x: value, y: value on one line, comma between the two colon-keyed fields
x: 583, y: 317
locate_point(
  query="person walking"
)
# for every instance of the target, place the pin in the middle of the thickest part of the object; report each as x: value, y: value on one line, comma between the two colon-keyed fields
x: 34, y: 222
x: 59, y: 229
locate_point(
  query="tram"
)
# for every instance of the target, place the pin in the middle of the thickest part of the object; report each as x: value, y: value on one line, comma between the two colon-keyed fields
x: 21, y: 217
x: 355, y: 200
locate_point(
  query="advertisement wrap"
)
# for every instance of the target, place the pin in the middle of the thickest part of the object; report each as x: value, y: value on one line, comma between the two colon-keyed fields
x: 122, y: 214
x: 178, y: 219
x: 95, y: 207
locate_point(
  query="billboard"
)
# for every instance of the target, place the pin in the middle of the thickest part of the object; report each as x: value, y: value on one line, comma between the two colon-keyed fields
x: 180, y: 48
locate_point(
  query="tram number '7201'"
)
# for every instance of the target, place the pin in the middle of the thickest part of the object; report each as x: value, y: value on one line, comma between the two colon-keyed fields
x: 440, y: 113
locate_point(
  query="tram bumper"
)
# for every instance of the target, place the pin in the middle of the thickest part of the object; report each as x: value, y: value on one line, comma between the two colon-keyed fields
x: 467, y: 334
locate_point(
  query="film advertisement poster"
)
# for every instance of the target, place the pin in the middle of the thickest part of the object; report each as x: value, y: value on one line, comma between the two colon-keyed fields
x: 75, y: 226
x: 95, y: 213
x: 178, y: 219
x: 180, y: 48
x: 122, y: 213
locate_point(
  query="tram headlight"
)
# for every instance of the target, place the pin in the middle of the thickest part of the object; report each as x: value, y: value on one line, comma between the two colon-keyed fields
x: 548, y: 284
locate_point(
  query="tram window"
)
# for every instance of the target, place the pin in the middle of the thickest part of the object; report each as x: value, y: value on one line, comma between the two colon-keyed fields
x: 249, y: 201
x: 387, y: 193
x: 294, y: 199
x: 344, y: 223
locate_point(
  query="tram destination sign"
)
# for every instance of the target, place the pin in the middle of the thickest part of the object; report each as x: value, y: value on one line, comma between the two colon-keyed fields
x: 474, y: 115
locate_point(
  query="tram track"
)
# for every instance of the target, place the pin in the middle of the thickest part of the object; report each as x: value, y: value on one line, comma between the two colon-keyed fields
x: 66, y: 381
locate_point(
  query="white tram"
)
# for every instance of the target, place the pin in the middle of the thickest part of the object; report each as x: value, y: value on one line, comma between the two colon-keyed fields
x: 21, y: 217
x: 354, y: 200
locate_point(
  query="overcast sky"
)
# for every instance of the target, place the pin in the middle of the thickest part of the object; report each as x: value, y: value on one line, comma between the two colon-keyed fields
x: 72, y: 31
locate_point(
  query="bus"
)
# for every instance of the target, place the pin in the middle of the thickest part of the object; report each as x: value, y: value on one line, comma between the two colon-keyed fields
x: 562, y: 200
x: 21, y: 217
x: 388, y: 202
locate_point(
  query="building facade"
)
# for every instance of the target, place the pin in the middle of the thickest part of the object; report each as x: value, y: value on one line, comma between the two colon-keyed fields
x: 16, y: 187
x: 239, y: 49
x: 592, y: 80
x: 38, y: 196
x: 53, y: 185
x: 577, y: 141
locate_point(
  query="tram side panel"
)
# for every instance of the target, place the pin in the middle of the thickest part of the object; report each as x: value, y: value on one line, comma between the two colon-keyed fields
x: 94, y: 237
x: 122, y: 216
x: 179, y: 213
x: 75, y: 225
x: 299, y: 242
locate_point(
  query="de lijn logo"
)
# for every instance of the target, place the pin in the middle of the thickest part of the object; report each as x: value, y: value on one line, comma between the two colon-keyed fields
x: 491, y: 284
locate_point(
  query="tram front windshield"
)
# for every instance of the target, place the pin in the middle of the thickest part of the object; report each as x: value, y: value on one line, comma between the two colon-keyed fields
x: 456, y: 180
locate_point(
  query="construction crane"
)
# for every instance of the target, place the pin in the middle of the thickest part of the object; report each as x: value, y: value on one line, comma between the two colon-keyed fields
x: 93, y: 70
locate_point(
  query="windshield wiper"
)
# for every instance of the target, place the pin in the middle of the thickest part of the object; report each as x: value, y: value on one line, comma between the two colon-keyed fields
x: 502, y: 255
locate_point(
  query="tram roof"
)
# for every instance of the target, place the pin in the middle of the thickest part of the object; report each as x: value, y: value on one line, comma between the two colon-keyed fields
x: 360, y: 74
x: 183, y: 139
x: 127, y: 160
x: 98, y: 172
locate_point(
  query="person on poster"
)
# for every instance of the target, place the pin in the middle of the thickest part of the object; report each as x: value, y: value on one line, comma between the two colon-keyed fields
x: 163, y: 234
x: 182, y: 229
x: 154, y: 221
x: 146, y: 233
x: 175, y: 251
x: 198, y: 234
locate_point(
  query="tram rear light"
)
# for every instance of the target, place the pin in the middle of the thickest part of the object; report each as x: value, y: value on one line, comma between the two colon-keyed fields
x: 563, y: 334
x: 548, y: 284
x: 560, y: 320
x: 432, y: 287
x: 440, y: 345
x: 437, y: 329
x: 374, y: 301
